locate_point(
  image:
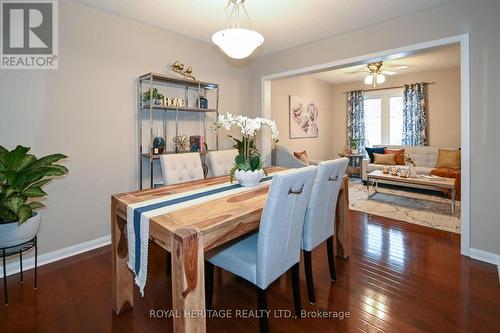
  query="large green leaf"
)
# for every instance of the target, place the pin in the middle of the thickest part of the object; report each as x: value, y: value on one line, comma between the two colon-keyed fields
x: 35, y: 205
x: 41, y: 183
x: 15, y: 158
x: 9, y: 190
x: 34, y: 192
x: 255, y: 162
x: 28, y: 176
x: 14, y: 203
x: 3, y: 151
x: 24, y: 213
x: 46, y: 161
x: 3, y: 154
x: 6, y: 215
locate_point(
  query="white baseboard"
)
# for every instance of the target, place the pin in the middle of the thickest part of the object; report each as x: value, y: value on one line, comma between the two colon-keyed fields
x: 13, y: 267
x: 485, y: 256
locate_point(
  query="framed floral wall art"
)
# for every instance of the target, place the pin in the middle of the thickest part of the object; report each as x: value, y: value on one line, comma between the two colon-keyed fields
x: 303, y: 114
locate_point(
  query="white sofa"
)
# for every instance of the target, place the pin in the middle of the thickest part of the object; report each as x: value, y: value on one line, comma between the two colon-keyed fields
x: 425, y: 158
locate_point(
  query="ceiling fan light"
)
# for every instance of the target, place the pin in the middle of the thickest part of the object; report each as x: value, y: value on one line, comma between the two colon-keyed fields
x: 380, y: 78
x: 369, y: 79
x: 238, y: 43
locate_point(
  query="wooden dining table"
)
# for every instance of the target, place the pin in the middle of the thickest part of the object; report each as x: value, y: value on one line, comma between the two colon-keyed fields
x: 188, y: 233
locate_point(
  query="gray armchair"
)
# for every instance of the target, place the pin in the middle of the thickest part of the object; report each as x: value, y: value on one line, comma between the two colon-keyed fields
x: 282, y: 157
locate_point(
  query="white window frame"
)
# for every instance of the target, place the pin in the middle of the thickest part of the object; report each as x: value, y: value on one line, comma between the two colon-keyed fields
x: 385, y: 96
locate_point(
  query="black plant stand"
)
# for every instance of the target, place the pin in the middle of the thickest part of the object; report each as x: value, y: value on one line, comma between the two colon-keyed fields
x: 17, y: 249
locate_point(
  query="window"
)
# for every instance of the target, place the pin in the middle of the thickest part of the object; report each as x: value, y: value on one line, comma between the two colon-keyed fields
x: 384, y: 117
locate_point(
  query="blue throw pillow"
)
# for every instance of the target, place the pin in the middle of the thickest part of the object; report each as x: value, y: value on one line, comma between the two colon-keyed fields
x: 377, y: 150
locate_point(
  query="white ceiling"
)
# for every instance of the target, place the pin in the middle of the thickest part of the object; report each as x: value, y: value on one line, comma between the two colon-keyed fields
x: 284, y: 23
x: 441, y: 58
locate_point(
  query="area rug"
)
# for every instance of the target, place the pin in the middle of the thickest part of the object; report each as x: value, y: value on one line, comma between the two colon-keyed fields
x: 405, y: 204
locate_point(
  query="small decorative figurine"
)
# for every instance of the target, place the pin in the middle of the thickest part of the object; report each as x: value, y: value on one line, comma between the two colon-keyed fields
x: 179, y: 68
x: 181, y: 143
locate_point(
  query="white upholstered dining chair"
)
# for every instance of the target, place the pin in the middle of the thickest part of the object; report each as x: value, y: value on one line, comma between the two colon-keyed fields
x: 222, y: 161
x: 179, y: 168
x: 319, y: 225
x: 263, y: 257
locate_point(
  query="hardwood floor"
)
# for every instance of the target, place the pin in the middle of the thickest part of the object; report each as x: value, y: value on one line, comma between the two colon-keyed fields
x: 399, y: 278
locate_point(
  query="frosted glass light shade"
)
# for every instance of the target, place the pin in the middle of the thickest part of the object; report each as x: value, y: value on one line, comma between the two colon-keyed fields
x: 380, y: 78
x: 369, y: 79
x: 238, y: 43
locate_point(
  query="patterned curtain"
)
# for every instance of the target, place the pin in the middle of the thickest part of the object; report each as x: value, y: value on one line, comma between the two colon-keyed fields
x: 356, y: 119
x: 415, y: 115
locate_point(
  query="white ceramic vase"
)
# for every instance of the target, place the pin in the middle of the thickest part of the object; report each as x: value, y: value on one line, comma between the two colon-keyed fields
x: 12, y: 234
x: 249, y: 178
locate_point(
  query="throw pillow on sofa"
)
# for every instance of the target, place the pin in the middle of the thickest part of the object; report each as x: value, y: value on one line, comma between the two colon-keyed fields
x: 371, y: 151
x: 448, y: 159
x: 386, y: 159
x: 302, y: 156
x: 400, y: 157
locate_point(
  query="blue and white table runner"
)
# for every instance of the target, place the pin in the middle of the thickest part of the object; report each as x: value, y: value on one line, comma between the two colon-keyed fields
x: 139, y: 214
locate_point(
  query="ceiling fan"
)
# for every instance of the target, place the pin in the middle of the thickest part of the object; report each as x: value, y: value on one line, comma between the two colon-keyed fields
x: 374, y: 74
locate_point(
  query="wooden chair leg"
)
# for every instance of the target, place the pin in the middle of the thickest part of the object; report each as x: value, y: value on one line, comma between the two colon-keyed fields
x: 331, y: 258
x: 262, y: 304
x: 309, y: 276
x: 296, y: 289
x: 209, y: 284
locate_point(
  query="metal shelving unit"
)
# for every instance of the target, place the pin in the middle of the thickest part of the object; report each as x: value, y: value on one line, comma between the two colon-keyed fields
x: 148, y: 110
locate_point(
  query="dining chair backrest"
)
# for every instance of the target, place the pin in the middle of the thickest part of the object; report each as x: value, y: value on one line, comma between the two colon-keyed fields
x: 179, y: 168
x: 280, y: 231
x: 320, y: 214
x: 222, y: 161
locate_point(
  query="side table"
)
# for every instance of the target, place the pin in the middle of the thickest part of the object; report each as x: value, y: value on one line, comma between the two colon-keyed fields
x: 355, y: 164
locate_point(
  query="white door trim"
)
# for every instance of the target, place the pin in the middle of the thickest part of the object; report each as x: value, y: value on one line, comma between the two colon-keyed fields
x: 463, y: 39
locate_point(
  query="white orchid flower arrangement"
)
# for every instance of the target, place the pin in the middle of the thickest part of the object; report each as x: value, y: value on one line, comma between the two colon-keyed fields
x: 248, y: 158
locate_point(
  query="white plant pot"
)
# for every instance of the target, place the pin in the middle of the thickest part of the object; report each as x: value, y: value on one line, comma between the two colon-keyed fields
x: 249, y: 178
x: 12, y: 234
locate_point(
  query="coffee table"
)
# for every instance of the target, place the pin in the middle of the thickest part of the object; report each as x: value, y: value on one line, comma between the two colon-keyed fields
x: 428, y: 183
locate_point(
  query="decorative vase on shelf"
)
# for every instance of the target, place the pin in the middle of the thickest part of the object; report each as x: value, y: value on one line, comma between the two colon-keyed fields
x: 202, y: 102
x: 158, y: 144
x: 249, y: 178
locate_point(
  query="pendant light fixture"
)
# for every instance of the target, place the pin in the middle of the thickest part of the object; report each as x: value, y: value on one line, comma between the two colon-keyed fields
x: 236, y: 42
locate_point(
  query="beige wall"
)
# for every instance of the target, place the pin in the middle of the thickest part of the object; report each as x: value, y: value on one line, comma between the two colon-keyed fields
x: 443, y: 101
x: 321, y: 93
x: 87, y: 110
x: 479, y: 18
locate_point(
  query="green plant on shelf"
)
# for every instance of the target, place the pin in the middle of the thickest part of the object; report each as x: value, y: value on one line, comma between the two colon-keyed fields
x: 156, y: 95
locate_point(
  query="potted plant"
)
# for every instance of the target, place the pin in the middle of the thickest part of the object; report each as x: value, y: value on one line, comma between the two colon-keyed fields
x: 155, y: 96
x: 247, y: 167
x: 354, y: 143
x: 22, y: 177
